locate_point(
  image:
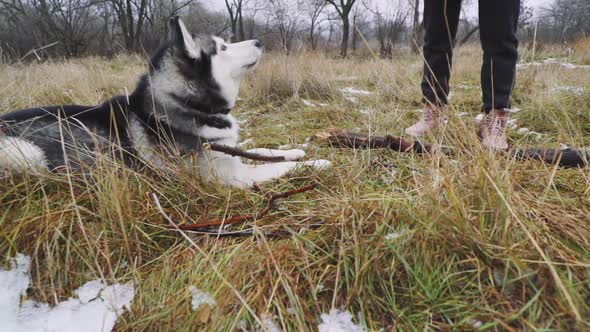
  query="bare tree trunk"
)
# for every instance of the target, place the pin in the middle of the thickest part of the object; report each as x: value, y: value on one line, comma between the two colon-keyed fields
x: 415, y: 42
x: 241, y: 25
x: 345, y: 35
x: 233, y: 12
x: 354, y: 31
x: 343, y: 7
x: 312, y: 37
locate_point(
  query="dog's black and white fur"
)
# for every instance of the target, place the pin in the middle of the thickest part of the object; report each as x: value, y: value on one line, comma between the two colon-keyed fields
x: 184, y: 100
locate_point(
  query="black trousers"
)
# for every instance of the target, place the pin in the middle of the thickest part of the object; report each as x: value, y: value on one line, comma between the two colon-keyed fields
x: 498, y: 21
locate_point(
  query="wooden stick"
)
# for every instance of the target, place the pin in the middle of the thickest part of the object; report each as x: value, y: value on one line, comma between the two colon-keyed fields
x: 362, y: 141
x: 565, y: 158
x: 237, y: 152
x: 270, y: 201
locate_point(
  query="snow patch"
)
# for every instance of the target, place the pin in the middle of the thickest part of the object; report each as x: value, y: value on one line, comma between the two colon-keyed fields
x: 351, y: 99
x: 475, y: 323
x: 462, y: 114
x: 346, y: 78
x: 552, y: 61
x: 89, y: 291
x: 308, y: 103
x: 396, y: 234
x: 352, y: 91
x: 199, y: 298
x: 269, y: 324
x: 96, y: 308
x: 523, y: 131
x: 338, y: 321
x: 511, y: 124
x: 465, y: 86
x: 536, y: 135
x: 367, y: 111
x: 573, y: 90
x: 302, y: 146
x: 242, y: 326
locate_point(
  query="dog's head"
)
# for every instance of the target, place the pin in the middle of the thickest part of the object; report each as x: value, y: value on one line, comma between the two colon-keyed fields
x: 202, y: 69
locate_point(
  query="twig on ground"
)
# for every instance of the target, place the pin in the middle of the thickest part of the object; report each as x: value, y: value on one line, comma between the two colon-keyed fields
x: 237, y: 152
x: 565, y: 158
x: 250, y: 231
x: 361, y: 141
x: 270, y: 202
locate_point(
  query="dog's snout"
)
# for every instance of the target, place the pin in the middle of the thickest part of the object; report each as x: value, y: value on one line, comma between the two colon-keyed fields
x: 258, y: 43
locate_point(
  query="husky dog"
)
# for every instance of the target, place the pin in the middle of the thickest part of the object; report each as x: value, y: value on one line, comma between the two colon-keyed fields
x: 183, y: 101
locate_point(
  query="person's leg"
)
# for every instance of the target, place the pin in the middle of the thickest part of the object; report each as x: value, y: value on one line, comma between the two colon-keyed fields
x: 498, y: 22
x: 441, y: 18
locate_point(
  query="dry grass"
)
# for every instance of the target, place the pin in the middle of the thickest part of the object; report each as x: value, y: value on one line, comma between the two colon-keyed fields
x: 582, y: 50
x: 483, y: 238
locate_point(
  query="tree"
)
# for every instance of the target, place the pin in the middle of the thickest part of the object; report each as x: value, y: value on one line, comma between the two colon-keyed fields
x: 360, y: 25
x: 285, y: 19
x: 236, y: 18
x: 416, y: 39
x: 131, y: 16
x: 68, y: 23
x: 566, y: 19
x: 313, y: 10
x: 526, y: 14
x: 389, y: 28
x: 199, y: 19
x: 343, y: 8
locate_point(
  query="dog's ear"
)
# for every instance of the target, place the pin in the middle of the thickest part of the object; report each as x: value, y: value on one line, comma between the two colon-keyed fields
x: 182, y: 39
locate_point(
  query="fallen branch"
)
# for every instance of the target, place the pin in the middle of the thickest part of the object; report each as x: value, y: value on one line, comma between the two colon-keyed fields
x: 565, y: 158
x: 237, y: 152
x: 35, y: 50
x: 361, y: 141
x: 250, y: 231
x: 270, y: 203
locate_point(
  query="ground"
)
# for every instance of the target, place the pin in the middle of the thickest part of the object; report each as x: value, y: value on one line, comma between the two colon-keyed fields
x: 410, y: 242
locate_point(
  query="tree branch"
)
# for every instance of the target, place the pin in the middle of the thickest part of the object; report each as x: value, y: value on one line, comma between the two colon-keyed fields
x: 271, y: 199
x: 565, y: 158
x: 237, y: 152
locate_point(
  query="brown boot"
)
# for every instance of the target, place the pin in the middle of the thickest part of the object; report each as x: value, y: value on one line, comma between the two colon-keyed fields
x: 493, y: 130
x: 431, y: 119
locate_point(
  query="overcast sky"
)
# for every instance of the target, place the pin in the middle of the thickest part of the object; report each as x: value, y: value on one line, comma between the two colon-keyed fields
x: 471, y: 10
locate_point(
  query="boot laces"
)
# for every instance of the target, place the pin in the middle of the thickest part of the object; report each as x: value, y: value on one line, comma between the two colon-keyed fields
x: 429, y: 115
x: 497, y: 124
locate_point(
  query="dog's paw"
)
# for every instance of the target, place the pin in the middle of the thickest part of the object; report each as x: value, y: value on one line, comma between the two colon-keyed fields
x: 318, y: 164
x: 289, y: 155
x: 294, y: 154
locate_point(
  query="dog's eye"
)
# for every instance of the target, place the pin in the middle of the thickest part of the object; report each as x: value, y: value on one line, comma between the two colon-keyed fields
x: 223, y: 48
